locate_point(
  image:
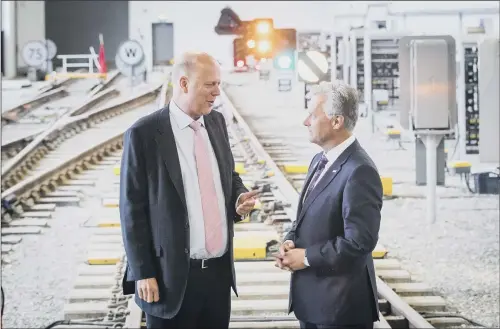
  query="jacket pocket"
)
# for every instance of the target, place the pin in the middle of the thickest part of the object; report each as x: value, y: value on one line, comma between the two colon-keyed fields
x: 159, y: 251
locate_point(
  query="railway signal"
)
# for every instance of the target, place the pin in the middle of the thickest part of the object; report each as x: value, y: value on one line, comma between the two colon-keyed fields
x: 259, y: 36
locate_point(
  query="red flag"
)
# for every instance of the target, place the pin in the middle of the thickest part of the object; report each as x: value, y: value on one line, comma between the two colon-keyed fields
x: 102, y: 56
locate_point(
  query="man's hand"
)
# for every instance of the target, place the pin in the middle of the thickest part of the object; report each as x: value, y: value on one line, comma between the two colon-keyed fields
x: 294, y: 259
x: 285, y: 246
x: 148, y: 290
x: 246, y: 202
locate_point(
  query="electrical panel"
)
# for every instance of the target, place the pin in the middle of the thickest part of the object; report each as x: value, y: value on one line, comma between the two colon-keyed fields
x: 489, y: 85
x: 471, y: 99
x: 385, y: 66
x: 340, y: 66
x: 360, y: 68
x: 428, y: 80
x: 327, y: 48
x: 427, y: 70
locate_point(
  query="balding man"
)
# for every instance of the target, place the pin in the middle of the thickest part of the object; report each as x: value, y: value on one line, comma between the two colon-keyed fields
x: 179, y: 200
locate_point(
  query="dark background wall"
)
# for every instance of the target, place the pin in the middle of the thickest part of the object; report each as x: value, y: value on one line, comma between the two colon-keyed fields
x: 74, y: 26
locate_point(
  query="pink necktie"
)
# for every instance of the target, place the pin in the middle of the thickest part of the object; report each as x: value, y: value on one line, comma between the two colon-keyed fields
x: 210, y: 205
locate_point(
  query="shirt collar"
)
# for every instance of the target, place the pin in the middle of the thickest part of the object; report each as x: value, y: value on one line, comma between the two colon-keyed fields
x: 181, y: 118
x: 335, y: 152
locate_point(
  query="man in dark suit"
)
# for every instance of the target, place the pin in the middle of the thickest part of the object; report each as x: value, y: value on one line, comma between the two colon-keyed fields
x: 329, y: 246
x: 179, y: 200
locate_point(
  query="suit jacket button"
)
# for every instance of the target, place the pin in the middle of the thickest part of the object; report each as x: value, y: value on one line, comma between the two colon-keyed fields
x: 186, y: 250
x: 187, y: 225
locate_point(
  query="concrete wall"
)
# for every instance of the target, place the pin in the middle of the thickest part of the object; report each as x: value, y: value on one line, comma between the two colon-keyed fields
x: 30, y: 18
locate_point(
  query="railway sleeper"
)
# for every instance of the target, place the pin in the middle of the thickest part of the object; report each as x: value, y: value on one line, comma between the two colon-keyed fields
x: 27, y: 222
x: 397, y: 321
x: 448, y: 322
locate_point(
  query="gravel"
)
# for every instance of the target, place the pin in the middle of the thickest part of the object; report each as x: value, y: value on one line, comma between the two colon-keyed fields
x: 457, y: 256
x: 43, y: 270
x: 45, y: 266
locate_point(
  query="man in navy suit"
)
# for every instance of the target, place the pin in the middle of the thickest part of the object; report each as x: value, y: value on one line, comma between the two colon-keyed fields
x: 328, y: 250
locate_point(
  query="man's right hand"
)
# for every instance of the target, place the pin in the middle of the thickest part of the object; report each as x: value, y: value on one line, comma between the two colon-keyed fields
x: 285, y: 246
x: 148, y: 290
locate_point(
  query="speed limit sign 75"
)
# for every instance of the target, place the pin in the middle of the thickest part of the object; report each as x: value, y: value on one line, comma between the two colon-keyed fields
x: 35, y: 53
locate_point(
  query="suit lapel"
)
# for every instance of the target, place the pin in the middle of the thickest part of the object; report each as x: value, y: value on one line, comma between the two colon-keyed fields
x: 215, y: 137
x: 327, y: 178
x: 168, y: 150
x: 307, y: 181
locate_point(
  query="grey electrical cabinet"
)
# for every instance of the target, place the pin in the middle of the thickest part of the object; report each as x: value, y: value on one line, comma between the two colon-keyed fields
x: 489, y: 111
x: 428, y: 82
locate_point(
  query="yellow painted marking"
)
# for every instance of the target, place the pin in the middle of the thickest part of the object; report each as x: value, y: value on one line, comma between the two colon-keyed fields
x: 393, y: 132
x: 116, y: 170
x: 106, y: 260
x: 294, y: 168
x: 460, y: 164
x: 240, y: 168
x: 109, y: 223
x: 379, y: 252
x: 251, y: 247
x: 386, y: 185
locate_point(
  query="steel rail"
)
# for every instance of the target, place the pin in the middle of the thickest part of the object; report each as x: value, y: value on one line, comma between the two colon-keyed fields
x: 11, y: 147
x: 18, y: 111
x: 110, y: 79
x: 28, y: 191
x: 14, y: 165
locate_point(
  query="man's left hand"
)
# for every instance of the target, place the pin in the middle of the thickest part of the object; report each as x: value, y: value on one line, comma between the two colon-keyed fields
x: 246, y: 202
x: 294, y: 259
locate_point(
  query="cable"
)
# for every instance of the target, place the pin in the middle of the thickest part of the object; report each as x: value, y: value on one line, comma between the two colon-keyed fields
x: 429, y: 315
x: 466, y: 177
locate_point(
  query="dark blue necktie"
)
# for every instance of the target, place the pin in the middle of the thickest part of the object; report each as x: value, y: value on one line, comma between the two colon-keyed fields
x: 319, y: 169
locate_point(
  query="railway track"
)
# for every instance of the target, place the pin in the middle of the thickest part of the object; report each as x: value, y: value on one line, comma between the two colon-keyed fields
x: 54, y: 90
x: 92, y: 111
x: 16, y: 134
x: 48, y: 172
x: 96, y: 300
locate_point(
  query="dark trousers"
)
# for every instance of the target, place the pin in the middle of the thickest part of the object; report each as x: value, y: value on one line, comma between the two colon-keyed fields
x: 207, y: 300
x: 306, y: 325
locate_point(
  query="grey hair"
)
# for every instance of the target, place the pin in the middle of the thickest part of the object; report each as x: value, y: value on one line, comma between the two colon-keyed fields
x: 342, y: 99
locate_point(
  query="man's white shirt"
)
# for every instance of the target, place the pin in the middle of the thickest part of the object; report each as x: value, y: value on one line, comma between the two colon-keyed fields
x: 184, y: 141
